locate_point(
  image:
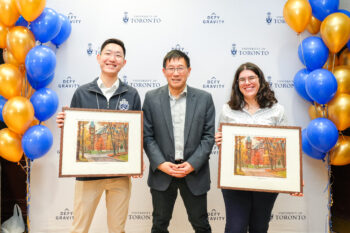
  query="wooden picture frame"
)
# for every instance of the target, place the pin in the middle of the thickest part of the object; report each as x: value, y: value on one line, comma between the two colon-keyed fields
x: 260, y: 158
x: 101, y: 143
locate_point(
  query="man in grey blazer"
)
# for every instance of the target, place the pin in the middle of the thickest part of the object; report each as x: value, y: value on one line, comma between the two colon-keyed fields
x: 178, y: 139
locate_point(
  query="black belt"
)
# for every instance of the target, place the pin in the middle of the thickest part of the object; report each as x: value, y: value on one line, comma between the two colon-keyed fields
x: 179, y: 161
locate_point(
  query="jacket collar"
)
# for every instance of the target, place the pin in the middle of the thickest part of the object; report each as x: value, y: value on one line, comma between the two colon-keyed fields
x: 94, y: 87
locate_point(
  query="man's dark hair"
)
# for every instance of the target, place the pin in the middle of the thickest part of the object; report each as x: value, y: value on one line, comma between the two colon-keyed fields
x: 265, y: 96
x: 113, y: 41
x: 176, y: 54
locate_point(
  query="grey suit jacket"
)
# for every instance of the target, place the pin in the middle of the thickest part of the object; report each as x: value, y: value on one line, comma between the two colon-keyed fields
x: 158, y: 137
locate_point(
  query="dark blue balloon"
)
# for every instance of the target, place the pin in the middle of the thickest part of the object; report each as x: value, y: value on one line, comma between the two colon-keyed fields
x: 46, y: 26
x: 41, y: 84
x: 2, y: 103
x: 322, y: 134
x: 321, y: 86
x: 65, y: 31
x: 310, y: 150
x: 322, y: 8
x: 299, y: 84
x: 21, y: 22
x: 37, y: 141
x: 45, y: 103
x: 344, y: 12
x: 313, y: 52
x: 348, y: 44
x: 40, y: 62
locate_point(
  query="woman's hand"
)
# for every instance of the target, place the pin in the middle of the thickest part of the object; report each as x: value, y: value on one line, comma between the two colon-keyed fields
x: 218, y: 138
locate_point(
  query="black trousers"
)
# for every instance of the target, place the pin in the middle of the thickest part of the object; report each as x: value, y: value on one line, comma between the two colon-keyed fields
x: 248, y: 211
x: 163, y: 205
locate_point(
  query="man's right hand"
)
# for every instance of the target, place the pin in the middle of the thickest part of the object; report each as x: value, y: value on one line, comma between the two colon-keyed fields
x: 171, y: 169
x: 60, y: 119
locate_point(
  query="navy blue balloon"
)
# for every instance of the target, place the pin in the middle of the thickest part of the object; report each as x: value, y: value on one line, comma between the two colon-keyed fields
x: 322, y: 134
x: 40, y: 62
x: 348, y: 44
x: 37, y: 141
x: 299, y: 84
x: 40, y: 84
x: 344, y: 12
x: 2, y: 103
x: 65, y: 31
x: 21, y: 22
x: 313, y: 52
x: 321, y: 85
x: 46, y: 26
x: 308, y: 149
x: 322, y: 8
x: 45, y: 103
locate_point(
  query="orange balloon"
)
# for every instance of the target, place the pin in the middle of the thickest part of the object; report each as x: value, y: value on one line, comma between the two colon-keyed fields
x: 3, y: 35
x: 314, y: 25
x: 315, y: 112
x: 8, y: 12
x: 342, y: 75
x: 9, y: 58
x: 18, y: 114
x: 10, y: 145
x: 335, y: 31
x: 344, y: 58
x: 329, y: 63
x: 30, y: 9
x: 10, y: 81
x: 19, y: 41
x: 340, y: 154
x: 297, y: 14
x: 339, y: 111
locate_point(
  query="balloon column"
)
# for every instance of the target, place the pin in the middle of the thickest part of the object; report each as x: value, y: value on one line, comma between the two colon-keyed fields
x: 24, y: 26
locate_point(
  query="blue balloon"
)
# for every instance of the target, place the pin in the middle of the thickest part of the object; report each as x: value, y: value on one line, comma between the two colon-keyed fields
x: 321, y: 85
x: 46, y: 26
x: 348, y: 44
x: 313, y: 52
x: 40, y: 63
x: 37, y: 141
x: 65, y: 31
x: 2, y: 103
x: 21, y: 22
x: 299, y: 84
x: 308, y: 149
x: 41, y: 84
x: 45, y: 103
x: 344, y: 12
x: 322, y: 8
x: 322, y: 134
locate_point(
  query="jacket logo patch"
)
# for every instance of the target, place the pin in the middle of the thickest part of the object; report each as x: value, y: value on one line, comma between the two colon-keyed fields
x: 124, y: 105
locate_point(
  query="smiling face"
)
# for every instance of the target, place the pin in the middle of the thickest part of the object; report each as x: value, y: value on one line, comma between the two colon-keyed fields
x: 176, y: 73
x: 249, y: 84
x: 111, y: 60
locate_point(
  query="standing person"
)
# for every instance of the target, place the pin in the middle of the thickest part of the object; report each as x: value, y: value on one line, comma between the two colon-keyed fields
x: 178, y: 139
x: 251, y: 102
x: 105, y: 92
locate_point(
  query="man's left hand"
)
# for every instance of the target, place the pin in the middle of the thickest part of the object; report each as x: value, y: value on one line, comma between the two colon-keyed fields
x: 186, y: 167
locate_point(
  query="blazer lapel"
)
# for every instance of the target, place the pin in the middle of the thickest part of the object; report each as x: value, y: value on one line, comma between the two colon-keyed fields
x: 190, y: 110
x: 165, y: 107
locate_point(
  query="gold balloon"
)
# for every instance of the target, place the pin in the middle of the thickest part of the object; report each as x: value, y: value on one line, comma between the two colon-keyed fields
x: 340, y: 154
x: 10, y: 81
x: 10, y: 145
x: 18, y: 114
x: 339, y: 111
x: 335, y: 31
x: 342, y: 75
x: 19, y: 41
x: 3, y: 35
x: 344, y: 58
x: 30, y: 9
x: 314, y: 25
x: 331, y: 62
x: 297, y: 14
x: 315, y: 112
x: 8, y: 12
x: 9, y: 58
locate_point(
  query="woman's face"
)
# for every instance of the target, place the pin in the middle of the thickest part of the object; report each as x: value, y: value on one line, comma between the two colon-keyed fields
x: 248, y: 83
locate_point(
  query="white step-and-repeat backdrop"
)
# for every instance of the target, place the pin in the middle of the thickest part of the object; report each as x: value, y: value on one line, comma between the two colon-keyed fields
x: 218, y: 36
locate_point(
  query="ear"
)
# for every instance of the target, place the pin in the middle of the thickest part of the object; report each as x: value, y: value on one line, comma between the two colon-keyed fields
x: 164, y: 71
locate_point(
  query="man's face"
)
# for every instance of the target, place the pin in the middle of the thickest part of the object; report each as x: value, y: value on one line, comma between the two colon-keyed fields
x: 111, y: 59
x: 176, y: 73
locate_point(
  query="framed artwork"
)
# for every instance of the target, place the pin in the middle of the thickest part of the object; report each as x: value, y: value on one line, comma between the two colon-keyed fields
x: 101, y: 143
x: 260, y: 158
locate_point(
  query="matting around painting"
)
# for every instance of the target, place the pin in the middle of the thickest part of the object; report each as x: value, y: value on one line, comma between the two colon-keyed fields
x: 101, y: 143
x: 260, y: 158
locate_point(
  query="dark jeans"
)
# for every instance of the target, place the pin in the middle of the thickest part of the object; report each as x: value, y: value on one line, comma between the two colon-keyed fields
x: 247, y: 210
x: 163, y: 205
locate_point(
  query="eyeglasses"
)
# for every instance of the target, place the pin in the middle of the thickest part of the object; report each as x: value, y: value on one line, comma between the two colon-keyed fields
x: 110, y: 54
x: 249, y: 79
x: 180, y: 69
